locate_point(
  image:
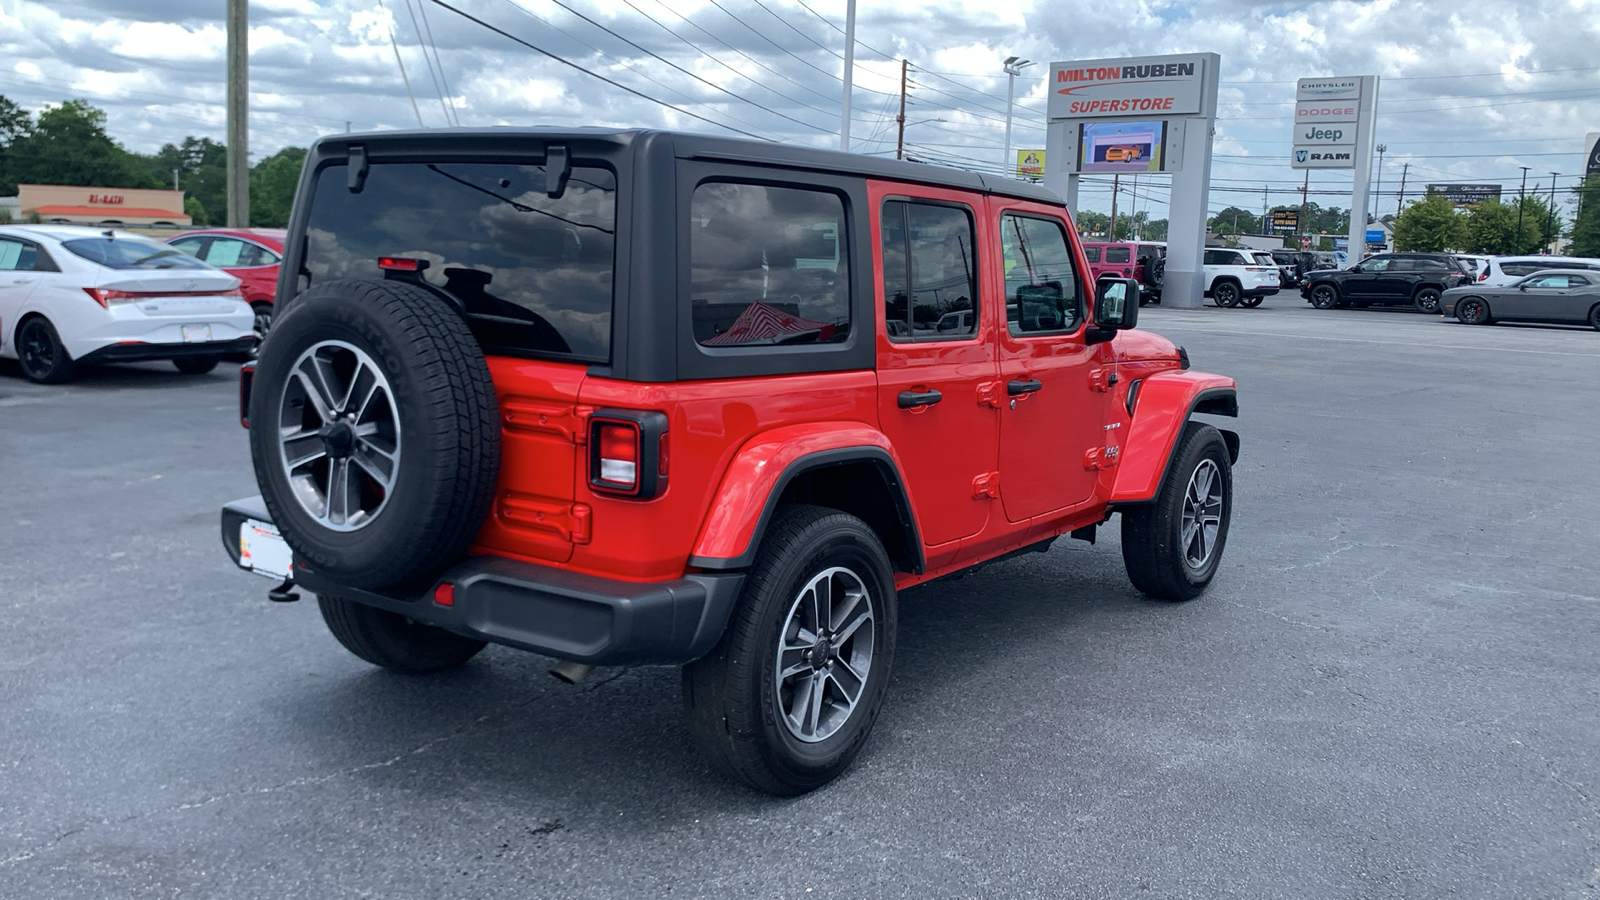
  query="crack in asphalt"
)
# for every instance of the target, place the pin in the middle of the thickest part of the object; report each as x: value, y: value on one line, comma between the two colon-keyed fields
x: 424, y: 747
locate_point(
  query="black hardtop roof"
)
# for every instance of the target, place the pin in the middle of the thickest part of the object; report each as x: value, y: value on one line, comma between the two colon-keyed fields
x: 689, y: 145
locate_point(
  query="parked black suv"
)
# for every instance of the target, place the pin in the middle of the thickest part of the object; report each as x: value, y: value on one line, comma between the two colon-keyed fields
x: 1413, y: 279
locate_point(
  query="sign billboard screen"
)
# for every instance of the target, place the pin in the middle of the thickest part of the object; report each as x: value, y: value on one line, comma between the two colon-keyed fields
x: 1593, y: 154
x: 1122, y: 146
x: 1328, y: 121
x: 1285, y: 220
x: 1099, y: 88
x: 1466, y: 194
x: 1030, y: 163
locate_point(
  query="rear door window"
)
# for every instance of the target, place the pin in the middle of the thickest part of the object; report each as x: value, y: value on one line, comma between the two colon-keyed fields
x: 1093, y: 253
x: 768, y: 265
x: 535, y: 273
x: 930, y: 283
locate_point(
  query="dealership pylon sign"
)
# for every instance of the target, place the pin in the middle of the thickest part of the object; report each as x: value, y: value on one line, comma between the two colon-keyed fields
x: 1334, y: 119
x: 1143, y: 115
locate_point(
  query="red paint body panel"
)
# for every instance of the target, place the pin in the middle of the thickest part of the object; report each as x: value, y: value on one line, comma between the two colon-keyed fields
x: 1159, y: 415
x: 259, y: 283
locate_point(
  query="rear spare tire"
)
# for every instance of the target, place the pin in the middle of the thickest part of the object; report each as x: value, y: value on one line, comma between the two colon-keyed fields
x: 376, y: 435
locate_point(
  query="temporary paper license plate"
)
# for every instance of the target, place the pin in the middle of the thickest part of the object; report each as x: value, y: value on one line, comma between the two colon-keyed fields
x: 193, y: 333
x: 263, y: 551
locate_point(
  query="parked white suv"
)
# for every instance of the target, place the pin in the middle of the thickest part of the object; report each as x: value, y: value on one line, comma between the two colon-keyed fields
x: 1234, y: 277
x: 1504, y: 270
x: 72, y: 295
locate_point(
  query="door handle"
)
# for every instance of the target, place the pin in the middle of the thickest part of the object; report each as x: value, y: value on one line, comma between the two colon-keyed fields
x: 914, y: 399
x: 1023, y: 386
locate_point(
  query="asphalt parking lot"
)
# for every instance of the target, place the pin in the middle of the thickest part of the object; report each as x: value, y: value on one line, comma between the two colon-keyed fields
x: 1390, y: 690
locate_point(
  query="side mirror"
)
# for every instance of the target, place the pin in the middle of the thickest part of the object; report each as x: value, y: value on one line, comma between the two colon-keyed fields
x: 1356, y: 269
x: 1116, y: 304
x: 1523, y: 286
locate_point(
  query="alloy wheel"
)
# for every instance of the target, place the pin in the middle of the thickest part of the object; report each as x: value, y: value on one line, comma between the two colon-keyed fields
x: 1202, y: 514
x: 38, y: 351
x: 824, y: 654
x: 339, y: 435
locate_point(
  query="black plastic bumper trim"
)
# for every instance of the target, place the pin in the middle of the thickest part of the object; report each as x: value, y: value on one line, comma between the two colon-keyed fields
x: 568, y: 615
x: 146, y: 352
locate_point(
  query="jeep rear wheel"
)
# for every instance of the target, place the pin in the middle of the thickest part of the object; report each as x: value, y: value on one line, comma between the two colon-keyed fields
x: 377, y: 438
x: 1171, y: 547
x: 1226, y: 293
x: 393, y: 641
x: 1324, y: 296
x: 787, y: 698
x: 1426, y: 299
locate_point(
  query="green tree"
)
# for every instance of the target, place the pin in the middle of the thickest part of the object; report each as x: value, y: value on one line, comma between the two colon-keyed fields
x: 1430, y: 225
x: 14, y: 121
x: 1234, y: 220
x: 1490, y: 226
x: 68, y: 144
x: 272, y: 184
x: 1093, y: 224
x: 1586, y: 230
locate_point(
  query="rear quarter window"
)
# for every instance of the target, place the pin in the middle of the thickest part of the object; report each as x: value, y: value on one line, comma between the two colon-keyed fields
x: 1093, y: 253
x: 1117, y: 254
x: 535, y: 273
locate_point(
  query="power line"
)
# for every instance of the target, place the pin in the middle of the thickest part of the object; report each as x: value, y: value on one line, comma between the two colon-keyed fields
x: 616, y: 84
x: 787, y: 52
x: 422, y: 8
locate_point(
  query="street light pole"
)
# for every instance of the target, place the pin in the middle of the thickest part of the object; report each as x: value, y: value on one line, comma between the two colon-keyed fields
x: 1522, y: 198
x: 238, y: 172
x: 1550, y: 227
x: 849, y: 73
x: 1013, y: 67
x: 1378, y: 191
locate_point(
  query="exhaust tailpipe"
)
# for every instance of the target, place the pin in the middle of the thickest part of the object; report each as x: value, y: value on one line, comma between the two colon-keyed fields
x: 571, y: 672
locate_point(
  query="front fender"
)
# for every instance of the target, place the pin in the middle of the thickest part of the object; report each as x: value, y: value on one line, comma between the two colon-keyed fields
x: 758, y: 474
x: 1164, y: 404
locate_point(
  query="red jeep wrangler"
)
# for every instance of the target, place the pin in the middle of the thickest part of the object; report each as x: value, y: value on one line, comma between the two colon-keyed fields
x: 628, y: 398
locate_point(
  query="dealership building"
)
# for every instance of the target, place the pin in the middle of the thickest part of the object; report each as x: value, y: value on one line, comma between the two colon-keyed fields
x: 109, y: 206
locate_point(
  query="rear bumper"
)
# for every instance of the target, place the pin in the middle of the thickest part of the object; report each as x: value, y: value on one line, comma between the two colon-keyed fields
x: 599, y: 621
x: 137, y: 352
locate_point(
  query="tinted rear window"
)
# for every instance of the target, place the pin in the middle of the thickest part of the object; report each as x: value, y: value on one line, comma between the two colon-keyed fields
x: 130, y: 253
x: 1093, y: 253
x: 534, y: 273
x: 1116, y: 254
x: 1523, y: 268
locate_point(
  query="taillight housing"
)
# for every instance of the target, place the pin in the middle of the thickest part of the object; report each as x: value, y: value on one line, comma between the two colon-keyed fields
x: 628, y: 452
x: 247, y: 380
x: 108, y: 297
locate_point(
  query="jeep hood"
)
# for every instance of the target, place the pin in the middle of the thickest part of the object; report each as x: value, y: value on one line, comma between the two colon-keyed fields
x: 1136, y: 345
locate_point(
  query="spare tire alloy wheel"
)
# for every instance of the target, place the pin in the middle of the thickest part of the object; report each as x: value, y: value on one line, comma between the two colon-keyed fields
x: 1472, y: 311
x: 381, y: 457
x: 1226, y: 294
x: 43, y: 357
x: 339, y: 435
x: 1427, y: 299
x: 1324, y: 296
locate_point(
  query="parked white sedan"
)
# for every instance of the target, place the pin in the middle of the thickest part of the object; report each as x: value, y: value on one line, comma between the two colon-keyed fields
x: 71, y: 296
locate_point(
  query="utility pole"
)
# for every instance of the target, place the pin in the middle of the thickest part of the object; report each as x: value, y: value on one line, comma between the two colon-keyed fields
x: 1522, y: 198
x: 1133, y: 210
x: 175, y: 178
x: 849, y: 73
x: 1550, y: 227
x: 1377, y: 192
x: 1116, y: 189
x: 1400, y: 203
x: 1305, y: 190
x: 238, y: 114
x: 1264, y: 229
x: 900, y: 144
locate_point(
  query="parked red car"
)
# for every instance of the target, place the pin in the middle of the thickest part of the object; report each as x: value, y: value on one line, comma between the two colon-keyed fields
x: 1142, y: 261
x: 248, y: 254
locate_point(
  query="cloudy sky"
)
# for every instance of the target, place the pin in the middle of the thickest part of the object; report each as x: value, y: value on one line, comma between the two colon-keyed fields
x: 1472, y: 90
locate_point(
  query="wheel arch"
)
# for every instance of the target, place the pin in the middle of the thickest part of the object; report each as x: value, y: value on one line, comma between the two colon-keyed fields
x: 1166, y: 404
x: 858, y: 474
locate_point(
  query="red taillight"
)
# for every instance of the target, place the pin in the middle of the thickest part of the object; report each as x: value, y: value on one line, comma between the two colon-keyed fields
x: 619, y: 455
x: 107, y: 296
x: 1484, y: 276
x: 401, y: 264
x: 247, y: 380
x: 445, y: 594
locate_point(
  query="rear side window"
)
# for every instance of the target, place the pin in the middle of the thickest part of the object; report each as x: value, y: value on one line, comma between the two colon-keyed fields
x: 535, y: 273
x: 930, y: 284
x: 130, y: 253
x: 1093, y: 253
x: 1522, y: 268
x: 1041, y: 284
x: 1117, y: 254
x: 768, y: 265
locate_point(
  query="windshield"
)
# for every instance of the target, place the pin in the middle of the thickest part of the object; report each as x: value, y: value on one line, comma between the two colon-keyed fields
x: 130, y: 253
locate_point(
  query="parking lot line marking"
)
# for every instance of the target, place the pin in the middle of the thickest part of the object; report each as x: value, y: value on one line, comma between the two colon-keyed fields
x: 1321, y: 337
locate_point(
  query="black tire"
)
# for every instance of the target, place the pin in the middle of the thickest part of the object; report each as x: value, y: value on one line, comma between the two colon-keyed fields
x: 1157, y: 270
x: 1252, y: 302
x: 43, y: 357
x: 196, y: 365
x: 1324, y: 296
x: 1426, y: 299
x: 393, y: 641
x: 732, y: 695
x: 1153, y: 548
x: 442, y: 404
x: 1472, y: 311
x: 260, y: 326
x: 1226, y: 293
x: 1594, y: 317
